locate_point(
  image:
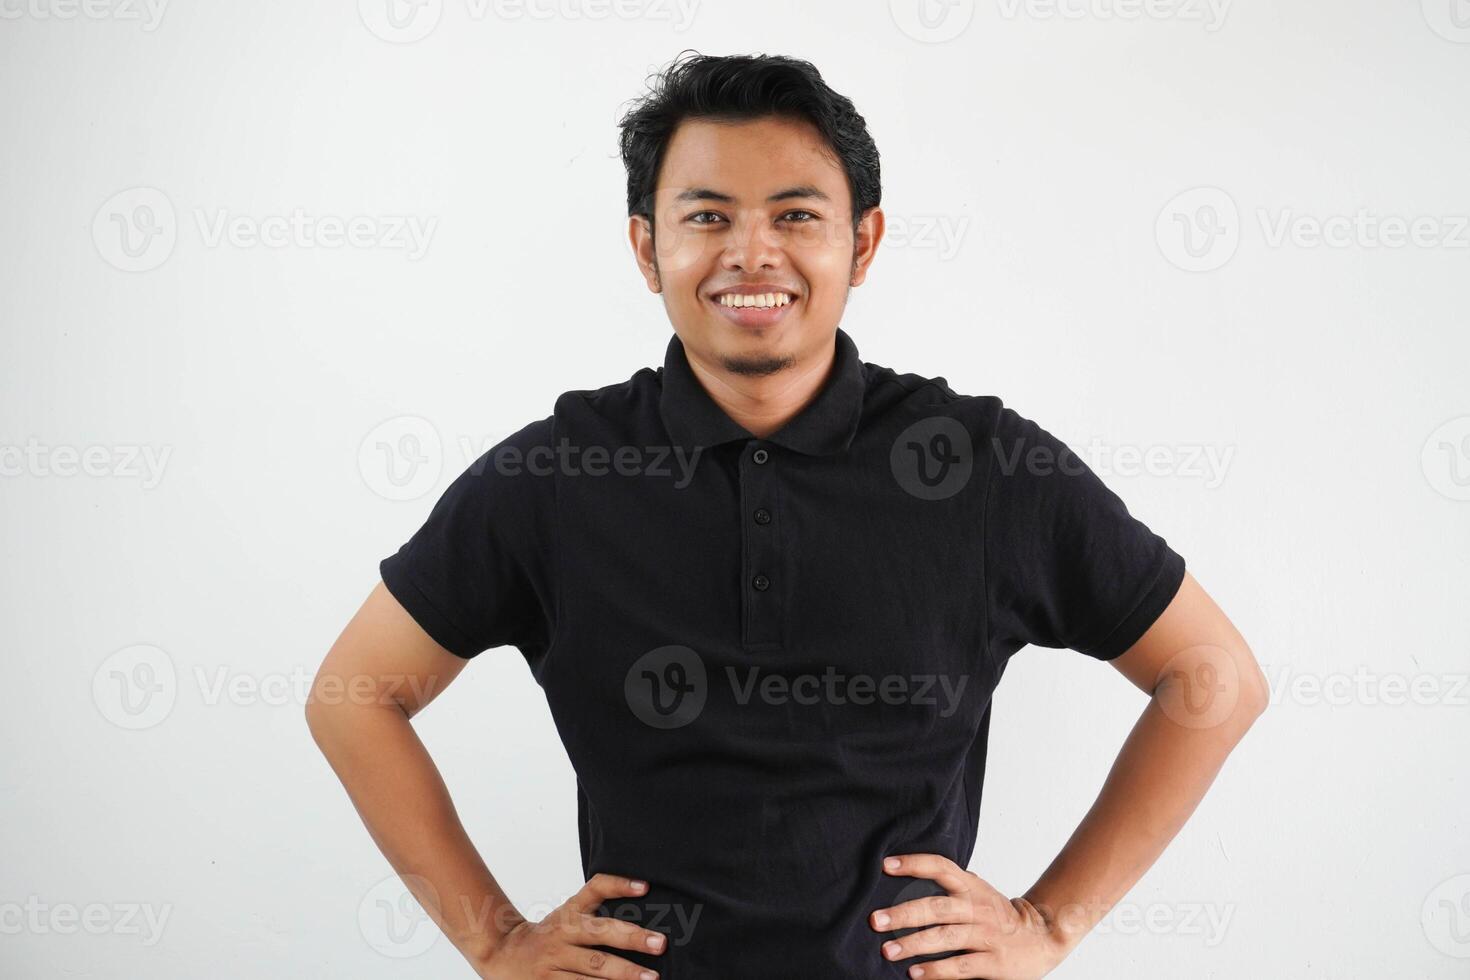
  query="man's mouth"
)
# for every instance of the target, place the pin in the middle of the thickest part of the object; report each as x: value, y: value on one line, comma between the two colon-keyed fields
x: 757, y: 305
x: 759, y: 301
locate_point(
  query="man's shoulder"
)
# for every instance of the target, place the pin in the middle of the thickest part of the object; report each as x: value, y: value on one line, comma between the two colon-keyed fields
x: 894, y: 392
x: 581, y: 414
x: 619, y: 409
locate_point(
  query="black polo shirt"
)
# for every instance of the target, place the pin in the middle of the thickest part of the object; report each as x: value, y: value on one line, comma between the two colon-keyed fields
x: 771, y: 660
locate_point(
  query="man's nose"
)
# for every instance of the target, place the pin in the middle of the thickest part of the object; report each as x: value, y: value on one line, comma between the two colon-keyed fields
x: 752, y: 245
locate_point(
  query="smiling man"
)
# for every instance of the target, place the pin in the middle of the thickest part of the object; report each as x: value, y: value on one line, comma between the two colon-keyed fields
x: 772, y: 669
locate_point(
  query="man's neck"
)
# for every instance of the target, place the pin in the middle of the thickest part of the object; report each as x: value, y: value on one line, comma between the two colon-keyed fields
x: 763, y: 404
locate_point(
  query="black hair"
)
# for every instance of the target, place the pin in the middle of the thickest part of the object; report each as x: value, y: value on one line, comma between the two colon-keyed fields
x: 740, y: 88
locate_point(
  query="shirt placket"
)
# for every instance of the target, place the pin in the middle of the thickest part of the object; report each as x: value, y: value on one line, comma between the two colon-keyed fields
x: 760, y: 579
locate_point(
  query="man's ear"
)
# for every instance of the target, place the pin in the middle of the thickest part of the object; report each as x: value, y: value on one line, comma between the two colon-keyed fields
x: 640, y: 236
x: 865, y: 244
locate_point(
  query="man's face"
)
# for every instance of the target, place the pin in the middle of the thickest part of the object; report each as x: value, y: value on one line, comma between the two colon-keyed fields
x: 746, y: 214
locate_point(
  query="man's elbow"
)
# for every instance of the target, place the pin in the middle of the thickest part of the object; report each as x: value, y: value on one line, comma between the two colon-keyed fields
x: 317, y: 718
x: 1255, y: 690
x: 324, y: 714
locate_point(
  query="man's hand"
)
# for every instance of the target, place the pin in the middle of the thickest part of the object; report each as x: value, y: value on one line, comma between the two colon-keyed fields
x: 558, y: 945
x: 997, y: 938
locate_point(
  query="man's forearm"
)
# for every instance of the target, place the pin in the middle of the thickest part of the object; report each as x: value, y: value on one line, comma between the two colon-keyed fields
x: 1157, y: 781
x: 402, y: 799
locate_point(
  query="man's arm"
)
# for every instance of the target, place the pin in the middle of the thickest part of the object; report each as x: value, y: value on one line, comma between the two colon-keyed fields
x: 1206, y: 690
x: 382, y: 671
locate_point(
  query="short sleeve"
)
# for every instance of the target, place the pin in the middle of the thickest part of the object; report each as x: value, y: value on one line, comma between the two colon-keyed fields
x: 477, y: 573
x: 1066, y: 564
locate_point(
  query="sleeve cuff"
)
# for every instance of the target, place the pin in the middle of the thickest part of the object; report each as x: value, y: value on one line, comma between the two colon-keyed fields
x: 1150, y: 605
x: 443, y: 632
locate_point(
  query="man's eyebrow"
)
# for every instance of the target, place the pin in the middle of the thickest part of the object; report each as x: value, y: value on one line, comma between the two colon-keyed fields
x: 702, y: 194
x: 804, y: 190
x: 707, y: 194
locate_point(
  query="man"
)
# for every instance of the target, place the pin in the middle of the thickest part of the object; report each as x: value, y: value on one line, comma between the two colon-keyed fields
x: 768, y: 590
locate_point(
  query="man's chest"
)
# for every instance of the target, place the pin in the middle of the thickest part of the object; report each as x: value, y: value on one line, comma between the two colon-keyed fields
x: 789, y: 595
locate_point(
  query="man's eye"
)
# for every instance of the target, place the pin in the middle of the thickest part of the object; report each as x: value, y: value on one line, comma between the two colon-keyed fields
x: 808, y: 216
x: 705, y: 214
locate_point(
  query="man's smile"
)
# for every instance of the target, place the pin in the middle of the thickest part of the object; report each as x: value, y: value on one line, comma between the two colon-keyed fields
x: 756, y: 305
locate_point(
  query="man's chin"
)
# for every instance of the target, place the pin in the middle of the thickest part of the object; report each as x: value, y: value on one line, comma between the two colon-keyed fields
x: 750, y: 352
x: 758, y: 365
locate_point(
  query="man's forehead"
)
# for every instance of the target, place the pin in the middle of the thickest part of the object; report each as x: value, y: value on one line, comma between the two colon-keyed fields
x: 749, y: 161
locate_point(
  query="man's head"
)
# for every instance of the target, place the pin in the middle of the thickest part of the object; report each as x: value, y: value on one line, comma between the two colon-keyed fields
x: 748, y: 175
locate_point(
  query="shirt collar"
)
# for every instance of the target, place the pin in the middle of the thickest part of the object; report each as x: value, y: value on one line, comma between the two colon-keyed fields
x: 825, y: 425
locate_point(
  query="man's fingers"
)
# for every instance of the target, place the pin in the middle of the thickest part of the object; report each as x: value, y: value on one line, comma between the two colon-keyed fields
x: 936, y: 867
x: 580, y: 961
x: 931, y: 911
x: 966, y: 967
x: 601, y: 887
x: 950, y: 938
x: 607, y: 930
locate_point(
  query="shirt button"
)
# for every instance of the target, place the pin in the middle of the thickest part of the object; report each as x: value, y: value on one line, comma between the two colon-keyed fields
x: 762, y: 516
x: 761, y: 583
x: 760, y: 455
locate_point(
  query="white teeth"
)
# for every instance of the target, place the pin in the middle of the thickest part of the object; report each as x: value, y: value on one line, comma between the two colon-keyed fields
x: 759, y: 300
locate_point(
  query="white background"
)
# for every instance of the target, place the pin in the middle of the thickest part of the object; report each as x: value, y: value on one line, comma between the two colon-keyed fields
x: 1037, y: 156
